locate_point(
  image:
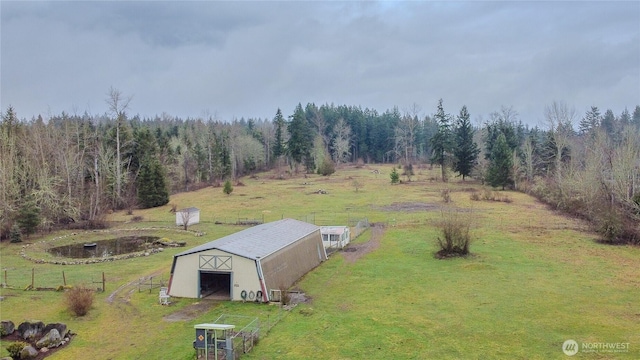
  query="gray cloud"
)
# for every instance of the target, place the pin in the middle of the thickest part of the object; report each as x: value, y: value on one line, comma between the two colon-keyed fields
x: 235, y: 59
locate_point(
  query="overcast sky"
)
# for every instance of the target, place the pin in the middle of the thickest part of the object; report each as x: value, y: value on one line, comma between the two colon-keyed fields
x: 230, y: 60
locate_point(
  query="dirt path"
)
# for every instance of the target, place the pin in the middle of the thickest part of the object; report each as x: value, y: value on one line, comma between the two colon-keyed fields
x: 124, y: 292
x: 192, y: 311
x: 353, y: 252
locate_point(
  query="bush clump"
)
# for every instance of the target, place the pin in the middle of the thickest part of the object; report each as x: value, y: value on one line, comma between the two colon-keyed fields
x: 456, y: 236
x: 15, y: 348
x: 228, y: 188
x: 446, y: 195
x: 327, y: 167
x: 79, y: 300
x: 488, y: 195
x: 15, y: 235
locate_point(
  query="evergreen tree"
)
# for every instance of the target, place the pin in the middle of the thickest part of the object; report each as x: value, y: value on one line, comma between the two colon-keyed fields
x: 14, y: 235
x: 429, y: 129
x: 635, y: 119
x: 625, y: 118
x: 152, y: 188
x: 300, y: 139
x: 144, y: 146
x: 228, y: 188
x: 278, y: 147
x: 28, y: 217
x: 466, y: 150
x: 395, y: 177
x: 591, y: 120
x: 222, y: 159
x: 501, y: 164
x: 441, y: 141
x: 608, y: 123
x: 508, y: 128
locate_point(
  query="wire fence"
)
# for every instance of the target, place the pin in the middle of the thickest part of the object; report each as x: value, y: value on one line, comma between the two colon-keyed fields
x: 150, y: 283
x: 245, y: 335
x: 42, y: 280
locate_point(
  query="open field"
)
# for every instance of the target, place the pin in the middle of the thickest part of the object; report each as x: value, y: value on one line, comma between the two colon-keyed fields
x: 535, y: 278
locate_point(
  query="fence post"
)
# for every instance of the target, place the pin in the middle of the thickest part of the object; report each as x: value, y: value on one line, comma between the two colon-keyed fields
x: 33, y: 274
x: 6, y: 283
x: 64, y: 279
x: 103, y: 281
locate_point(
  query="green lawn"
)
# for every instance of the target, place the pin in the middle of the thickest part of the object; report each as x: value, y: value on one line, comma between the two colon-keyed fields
x: 535, y: 279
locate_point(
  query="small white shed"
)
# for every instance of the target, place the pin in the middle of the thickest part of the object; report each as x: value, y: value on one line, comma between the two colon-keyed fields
x: 189, y: 216
x: 335, y: 237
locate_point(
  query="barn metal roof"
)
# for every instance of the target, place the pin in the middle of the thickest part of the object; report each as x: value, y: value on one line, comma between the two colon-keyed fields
x: 259, y: 241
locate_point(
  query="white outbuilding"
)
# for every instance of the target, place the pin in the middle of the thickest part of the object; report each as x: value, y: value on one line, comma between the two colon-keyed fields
x: 335, y: 237
x: 189, y: 216
x: 250, y: 264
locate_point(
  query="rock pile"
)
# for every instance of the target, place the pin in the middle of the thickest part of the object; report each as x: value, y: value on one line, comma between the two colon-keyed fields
x: 38, y: 337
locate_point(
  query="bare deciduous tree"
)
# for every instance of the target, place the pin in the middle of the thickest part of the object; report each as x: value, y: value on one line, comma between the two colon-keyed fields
x: 118, y: 105
x: 559, y: 118
x: 341, y: 141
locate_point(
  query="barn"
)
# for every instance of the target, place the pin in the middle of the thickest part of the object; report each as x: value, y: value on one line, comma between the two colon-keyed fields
x: 249, y: 264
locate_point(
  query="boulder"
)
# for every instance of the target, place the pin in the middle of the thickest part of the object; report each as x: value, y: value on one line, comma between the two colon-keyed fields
x: 30, y: 329
x: 50, y: 340
x: 28, y: 352
x: 7, y: 327
x: 61, y: 327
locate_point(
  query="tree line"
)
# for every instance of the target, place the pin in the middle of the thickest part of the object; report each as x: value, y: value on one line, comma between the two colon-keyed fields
x: 74, y: 169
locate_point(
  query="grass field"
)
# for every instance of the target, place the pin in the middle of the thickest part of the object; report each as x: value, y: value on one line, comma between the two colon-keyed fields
x: 535, y: 279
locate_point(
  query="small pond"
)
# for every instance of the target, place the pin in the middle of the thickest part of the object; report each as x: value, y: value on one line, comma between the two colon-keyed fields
x: 105, y: 248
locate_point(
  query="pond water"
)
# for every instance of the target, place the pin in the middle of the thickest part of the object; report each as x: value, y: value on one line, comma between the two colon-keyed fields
x: 105, y: 248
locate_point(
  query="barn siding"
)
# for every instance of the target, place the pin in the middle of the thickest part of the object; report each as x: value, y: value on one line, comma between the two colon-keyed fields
x: 184, y: 282
x: 286, y: 266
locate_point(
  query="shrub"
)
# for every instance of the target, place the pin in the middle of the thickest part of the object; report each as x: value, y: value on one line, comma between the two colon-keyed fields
x: 609, y: 228
x: 327, y: 167
x: 456, y: 236
x: 285, y: 296
x: 15, y: 235
x: 79, y: 300
x: 395, y: 177
x: 357, y: 185
x: 446, y: 195
x: 489, y: 195
x: 15, y: 348
x: 137, y: 218
x: 228, y: 188
x: 407, y: 170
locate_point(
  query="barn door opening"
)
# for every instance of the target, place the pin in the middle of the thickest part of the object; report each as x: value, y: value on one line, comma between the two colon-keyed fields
x: 215, y: 285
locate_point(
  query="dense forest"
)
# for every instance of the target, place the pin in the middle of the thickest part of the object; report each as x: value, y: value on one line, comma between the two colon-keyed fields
x: 71, y: 170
